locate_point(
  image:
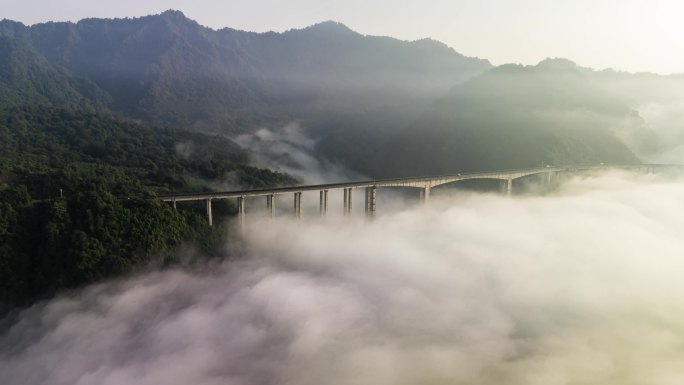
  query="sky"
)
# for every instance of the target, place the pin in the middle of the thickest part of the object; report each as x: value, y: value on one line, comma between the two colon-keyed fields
x: 630, y: 35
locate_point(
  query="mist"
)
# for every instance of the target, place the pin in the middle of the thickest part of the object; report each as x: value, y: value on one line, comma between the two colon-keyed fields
x: 667, y: 121
x: 288, y: 148
x: 579, y: 286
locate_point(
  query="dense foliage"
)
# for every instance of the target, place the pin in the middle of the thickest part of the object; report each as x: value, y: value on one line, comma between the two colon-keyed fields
x: 26, y: 77
x: 78, y: 196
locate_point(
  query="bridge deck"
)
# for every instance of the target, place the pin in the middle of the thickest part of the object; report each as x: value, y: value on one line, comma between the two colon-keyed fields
x: 419, y: 182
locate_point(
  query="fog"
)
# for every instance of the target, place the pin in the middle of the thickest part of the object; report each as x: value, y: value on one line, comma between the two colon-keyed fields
x: 667, y: 121
x: 289, y: 149
x: 580, y: 286
x: 654, y: 126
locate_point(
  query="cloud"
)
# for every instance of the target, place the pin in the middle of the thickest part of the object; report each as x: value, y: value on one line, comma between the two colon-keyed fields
x: 290, y: 150
x: 581, y: 286
x: 185, y: 149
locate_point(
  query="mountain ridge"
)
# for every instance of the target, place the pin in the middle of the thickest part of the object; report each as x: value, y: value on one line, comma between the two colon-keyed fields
x: 352, y: 94
x: 149, y: 65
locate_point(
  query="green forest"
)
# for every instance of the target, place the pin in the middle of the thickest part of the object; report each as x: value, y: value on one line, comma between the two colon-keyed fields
x: 78, y: 197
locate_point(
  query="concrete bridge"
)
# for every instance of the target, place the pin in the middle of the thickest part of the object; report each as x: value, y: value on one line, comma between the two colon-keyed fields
x: 425, y: 184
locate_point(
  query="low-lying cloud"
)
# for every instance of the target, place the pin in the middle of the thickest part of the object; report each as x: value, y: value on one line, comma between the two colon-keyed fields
x: 577, y: 287
x: 289, y: 149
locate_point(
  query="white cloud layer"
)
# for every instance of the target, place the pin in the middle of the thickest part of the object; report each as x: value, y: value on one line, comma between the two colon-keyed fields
x: 579, y: 287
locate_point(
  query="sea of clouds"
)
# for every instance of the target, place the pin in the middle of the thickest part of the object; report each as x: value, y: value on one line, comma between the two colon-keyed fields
x: 580, y: 286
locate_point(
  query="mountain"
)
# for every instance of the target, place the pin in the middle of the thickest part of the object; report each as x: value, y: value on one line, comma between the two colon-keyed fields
x: 372, y: 104
x: 167, y: 69
x: 26, y: 77
x: 513, y: 116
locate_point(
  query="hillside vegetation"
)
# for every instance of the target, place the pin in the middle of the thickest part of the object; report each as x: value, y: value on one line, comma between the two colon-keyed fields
x: 78, y: 197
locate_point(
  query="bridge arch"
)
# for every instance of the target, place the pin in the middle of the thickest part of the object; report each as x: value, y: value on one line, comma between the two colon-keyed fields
x: 455, y: 181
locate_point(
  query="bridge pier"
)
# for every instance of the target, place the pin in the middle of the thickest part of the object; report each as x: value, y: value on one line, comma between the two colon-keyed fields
x: 174, y: 204
x: 506, y: 186
x: 370, y: 201
x: 324, y: 203
x: 549, y: 178
x: 270, y: 205
x: 209, y: 216
x: 241, y: 210
x: 298, y: 204
x: 425, y: 194
x: 347, y: 201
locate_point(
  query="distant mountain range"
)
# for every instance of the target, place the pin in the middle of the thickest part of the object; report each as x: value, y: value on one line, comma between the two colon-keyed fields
x: 168, y: 69
x: 377, y: 105
x: 519, y: 117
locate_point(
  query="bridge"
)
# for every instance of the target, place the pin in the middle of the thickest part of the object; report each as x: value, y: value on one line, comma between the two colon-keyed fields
x: 425, y: 184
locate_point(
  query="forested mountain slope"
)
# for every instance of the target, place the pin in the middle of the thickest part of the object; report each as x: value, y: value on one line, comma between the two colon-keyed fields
x: 513, y: 116
x: 78, y: 196
x: 375, y: 105
x: 168, y: 69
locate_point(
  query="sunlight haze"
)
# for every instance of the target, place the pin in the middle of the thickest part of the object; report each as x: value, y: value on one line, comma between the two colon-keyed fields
x: 631, y: 35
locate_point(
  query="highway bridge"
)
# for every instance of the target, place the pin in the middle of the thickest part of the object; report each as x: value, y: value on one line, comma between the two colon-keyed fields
x: 424, y: 183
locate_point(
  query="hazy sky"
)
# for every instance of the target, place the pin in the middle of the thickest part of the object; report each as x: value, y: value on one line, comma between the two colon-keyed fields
x: 633, y: 35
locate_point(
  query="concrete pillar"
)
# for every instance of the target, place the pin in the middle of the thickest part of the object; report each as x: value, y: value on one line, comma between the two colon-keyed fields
x: 174, y: 204
x: 270, y: 205
x: 347, y: 201
x: 425, y: 194
x: 344, y: 203
x: 241, y: 210
x: 509, y: 186
x: 209, y: 217
x: 298, y: 204
x: 370, y: 201
x: 549, y: 178
x: 324, y: 203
